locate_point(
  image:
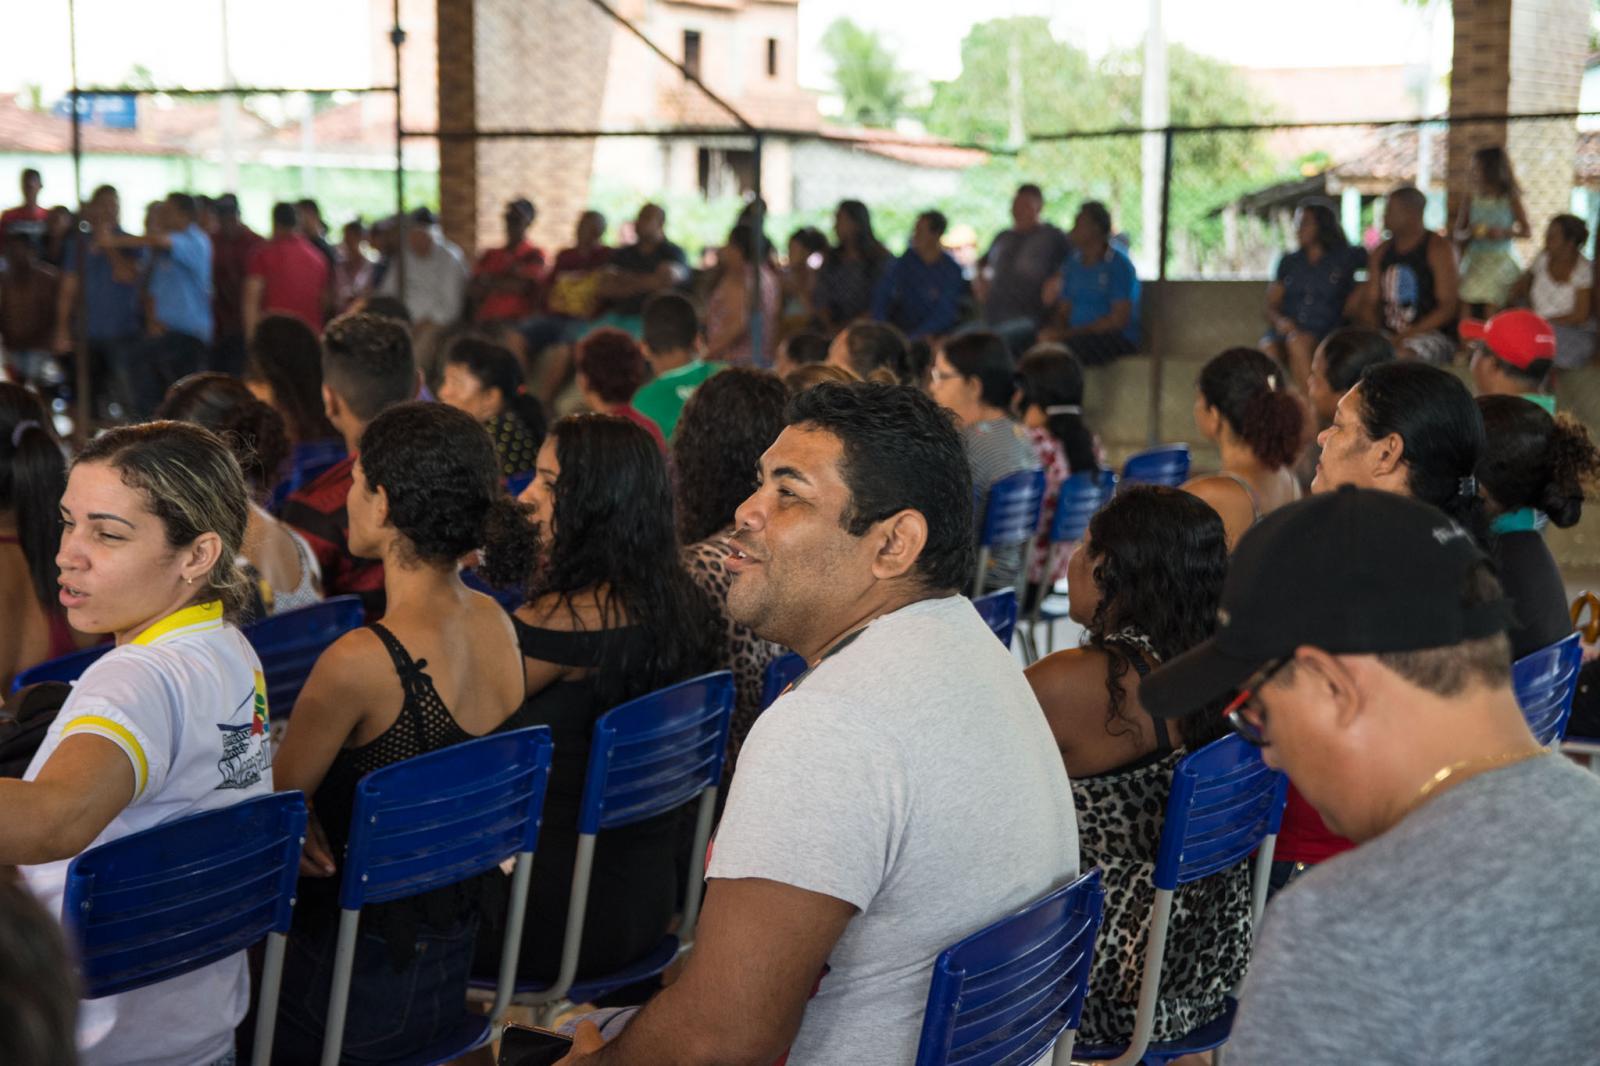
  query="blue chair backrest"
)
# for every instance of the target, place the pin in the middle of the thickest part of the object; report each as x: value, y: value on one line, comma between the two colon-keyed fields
x: 780, y: 671
x: 289, y: 644
x: 67, y: 667
x: 515, y: 483
x: 1166, y: 465
x: 1011, y: 512
x: 1545, y: 682
x: 1080, y: 497
x: 1004, y: 994
x: 509, y: 598
x: 1225, y: 800
x: 443, y: 817
x: 1108, y: 486
x: 999, y: 611
x: 152, y: 905
x: 308, y: 461
x: 657, y: 752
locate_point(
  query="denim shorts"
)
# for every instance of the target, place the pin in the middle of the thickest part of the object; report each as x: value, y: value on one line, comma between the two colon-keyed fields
x: 392, y: 1013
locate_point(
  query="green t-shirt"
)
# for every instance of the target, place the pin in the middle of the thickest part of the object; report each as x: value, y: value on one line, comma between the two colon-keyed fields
x: 662, y: 399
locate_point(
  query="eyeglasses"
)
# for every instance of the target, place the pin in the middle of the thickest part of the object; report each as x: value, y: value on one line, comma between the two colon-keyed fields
x: 1243, y: 714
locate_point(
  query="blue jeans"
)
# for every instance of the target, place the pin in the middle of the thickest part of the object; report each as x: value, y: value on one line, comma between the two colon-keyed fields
x: 393, y: 1013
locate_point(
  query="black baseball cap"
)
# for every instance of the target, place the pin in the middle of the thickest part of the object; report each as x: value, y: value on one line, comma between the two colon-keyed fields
x: 1353, y: 572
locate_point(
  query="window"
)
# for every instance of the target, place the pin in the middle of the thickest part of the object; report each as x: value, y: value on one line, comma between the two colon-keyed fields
x: 772, y: 57
x: 691, y: 52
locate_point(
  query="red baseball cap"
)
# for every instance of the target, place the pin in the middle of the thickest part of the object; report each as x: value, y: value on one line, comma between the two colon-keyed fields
x: 1518, y: 337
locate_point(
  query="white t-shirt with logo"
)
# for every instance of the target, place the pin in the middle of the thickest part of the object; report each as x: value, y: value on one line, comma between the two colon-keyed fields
x: 913, y: 776
x: 185, y: 701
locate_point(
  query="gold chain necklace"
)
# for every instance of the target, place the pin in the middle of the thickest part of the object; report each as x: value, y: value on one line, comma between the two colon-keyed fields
x: 1508, y: 758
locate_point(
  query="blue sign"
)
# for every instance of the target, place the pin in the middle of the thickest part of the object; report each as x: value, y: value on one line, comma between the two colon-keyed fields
x: 117, y: 112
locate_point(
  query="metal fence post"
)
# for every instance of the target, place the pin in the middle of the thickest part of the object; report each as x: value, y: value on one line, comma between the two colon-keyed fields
x: 397, y: 37
x: 1163, y: 246
x: 758, y: 263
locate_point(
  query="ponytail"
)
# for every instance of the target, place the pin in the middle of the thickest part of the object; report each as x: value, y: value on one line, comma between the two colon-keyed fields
x: 1273, y: 424
x: 510, y: 544
x: 1534, y: 460
x: 33, y: 477
x: 1252, y: 394
x: 1574, y: 471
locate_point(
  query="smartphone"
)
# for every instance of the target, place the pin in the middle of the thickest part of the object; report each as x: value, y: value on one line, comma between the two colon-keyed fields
x: 524, y: 1046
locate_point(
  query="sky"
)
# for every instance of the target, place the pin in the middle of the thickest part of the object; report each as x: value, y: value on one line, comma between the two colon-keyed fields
x: 275, y: 46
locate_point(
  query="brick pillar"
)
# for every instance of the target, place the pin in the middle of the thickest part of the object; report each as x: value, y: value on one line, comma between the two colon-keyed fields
x: 1519, y: 57
x: 518, y: 64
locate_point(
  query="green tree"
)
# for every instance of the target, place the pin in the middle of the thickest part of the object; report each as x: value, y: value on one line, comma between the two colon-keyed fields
x: 874, y: 87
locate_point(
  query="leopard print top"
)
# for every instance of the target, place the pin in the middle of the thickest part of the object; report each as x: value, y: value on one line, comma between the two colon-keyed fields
x: 1208, y: 941
x: 746, y: 654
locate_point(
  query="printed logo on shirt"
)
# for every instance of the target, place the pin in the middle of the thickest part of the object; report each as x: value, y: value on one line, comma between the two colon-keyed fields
x: 245, y: 755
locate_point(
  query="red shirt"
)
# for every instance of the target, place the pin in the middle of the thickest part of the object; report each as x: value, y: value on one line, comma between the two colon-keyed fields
x: 296, y: 277
x: 634, y: 415
x: 1303, y: 836
x: 318, y: 512
x: 230, y: 255
x: 30, y: 219
x: 525, y: 262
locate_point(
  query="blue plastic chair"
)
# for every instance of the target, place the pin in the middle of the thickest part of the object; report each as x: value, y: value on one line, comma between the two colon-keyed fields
x: 650, y: 755
x: 156, y: 904
x: 515, y: 483
x: 1166, y: 465
x: 779, y: 673
x: 1010, y: 517
x: 1225, y: 803
x: 434, y: 820
x: 290, y: 643
x: 999, y: 612
x: 1545, y: 682
x: 308, y: 462
x: 1080, y: 497
x: 509, y: 598
x: 1004, y: 994
x: 67, y: 667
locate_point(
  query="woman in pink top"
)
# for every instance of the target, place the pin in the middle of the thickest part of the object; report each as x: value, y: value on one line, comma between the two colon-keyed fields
x: 729, y: 334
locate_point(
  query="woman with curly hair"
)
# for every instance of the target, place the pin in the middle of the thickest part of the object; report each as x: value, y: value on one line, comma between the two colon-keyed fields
x: 1534, y: 464
x: 1145, y: 584
x: 1243, y: 402
x: 726, y: 426
x: 611, y: 615
x: 440, y: 669
x: 275, y: 557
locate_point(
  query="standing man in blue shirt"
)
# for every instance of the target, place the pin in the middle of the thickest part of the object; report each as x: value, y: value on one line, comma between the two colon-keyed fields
x: 109, y: 282
x: 921, y: 291
x: 1096, y: 298
x: 181, y: 324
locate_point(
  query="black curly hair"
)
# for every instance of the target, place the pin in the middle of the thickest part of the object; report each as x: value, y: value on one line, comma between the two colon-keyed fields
x: 613, y: 530
x: 286, y: 355
x: 726, y: 425
x: 1251, y: 392
x: 1536, y: 460
x: 901, y: 451
x: 439, y: 469
x: 1159, y: 557
x: 253, y: 431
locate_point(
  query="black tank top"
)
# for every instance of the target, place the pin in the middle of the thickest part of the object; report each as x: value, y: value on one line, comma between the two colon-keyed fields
x: 1407, y: 285
x: 423, y: 725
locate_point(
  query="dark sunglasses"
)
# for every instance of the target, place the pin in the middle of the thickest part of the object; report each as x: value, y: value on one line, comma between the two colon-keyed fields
x: 1236, y: 712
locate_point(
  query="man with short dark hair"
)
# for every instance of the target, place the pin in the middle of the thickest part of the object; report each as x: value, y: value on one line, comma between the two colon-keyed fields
x: 1096, y: 296
x: 505, y: 281
x: 1410, y: 292
x: 1012, y: 273
x: 367, y: 367
x: 29, y: 218
x: 1363, y: 639
x: 180, y: 326
x: 635, y: 271
x: 873, y: 818
x: 314, y: 229
x: 920, y: 292
x: 676, y: 353
x: 1513, y: 357
x: 286, y: 275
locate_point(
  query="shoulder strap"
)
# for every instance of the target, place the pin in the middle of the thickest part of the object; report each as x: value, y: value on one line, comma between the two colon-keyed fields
x: 1255, y: 502
x: 398, y: 655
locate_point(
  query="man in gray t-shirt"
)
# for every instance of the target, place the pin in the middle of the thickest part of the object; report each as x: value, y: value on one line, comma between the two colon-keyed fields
x: 1012, y: 274
x: 1363, y: 637
x: 904, y: 793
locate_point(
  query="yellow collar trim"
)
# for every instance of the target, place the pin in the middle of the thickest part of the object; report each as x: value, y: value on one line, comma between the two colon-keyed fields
x: 208, y: 614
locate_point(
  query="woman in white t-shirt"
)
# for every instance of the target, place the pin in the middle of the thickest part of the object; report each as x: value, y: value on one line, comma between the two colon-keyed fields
x: 171, y: 722
x: 1557, y: 288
